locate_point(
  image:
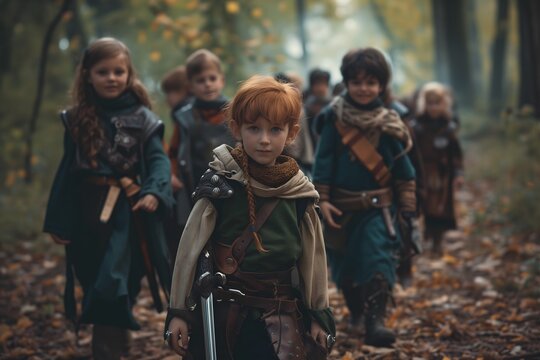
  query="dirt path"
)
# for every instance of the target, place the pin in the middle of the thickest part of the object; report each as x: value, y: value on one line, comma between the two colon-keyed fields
x: 479, y: 301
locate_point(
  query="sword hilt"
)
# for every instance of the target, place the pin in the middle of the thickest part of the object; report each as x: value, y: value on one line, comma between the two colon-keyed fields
x: 207, y: 283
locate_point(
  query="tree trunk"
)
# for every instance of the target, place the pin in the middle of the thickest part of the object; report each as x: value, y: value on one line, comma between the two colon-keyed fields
x: 39, y: 92
x: 301, y: 16
x: 496, y: 96
x: 475, y: 57
x: 452, y: 50
x: 529, y: 31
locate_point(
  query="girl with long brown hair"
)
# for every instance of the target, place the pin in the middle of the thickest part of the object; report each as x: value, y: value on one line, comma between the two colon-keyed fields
x: 109, y: 194
x: 255, y: 210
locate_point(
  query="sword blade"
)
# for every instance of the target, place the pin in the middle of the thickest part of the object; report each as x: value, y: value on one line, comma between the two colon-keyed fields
x: 208, y: 325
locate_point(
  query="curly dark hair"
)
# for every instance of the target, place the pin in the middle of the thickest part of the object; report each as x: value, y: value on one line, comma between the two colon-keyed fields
x: 367, y: 62
x: 84, y: 124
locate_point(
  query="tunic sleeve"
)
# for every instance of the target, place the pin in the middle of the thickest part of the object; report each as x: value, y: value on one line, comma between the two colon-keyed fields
x: 312, y: 264
x: 199, y: 228
x: 158, y: 179
x: 62, y: 209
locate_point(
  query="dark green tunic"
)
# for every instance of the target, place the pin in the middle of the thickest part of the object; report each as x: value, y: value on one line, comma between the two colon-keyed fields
x: 369, y: 249
x: 106, y: 258
x: 280, y: 235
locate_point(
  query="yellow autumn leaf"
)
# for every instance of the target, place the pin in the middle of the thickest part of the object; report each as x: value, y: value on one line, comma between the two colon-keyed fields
x: 163, y: 19
x: 141, y: 37
x: 232, y: 7
x: 280, y: 58
x: 256, y: 13
x: 192, y: 5
x: 167, y: 34
x: 10, y: 179
x: 155, y: 56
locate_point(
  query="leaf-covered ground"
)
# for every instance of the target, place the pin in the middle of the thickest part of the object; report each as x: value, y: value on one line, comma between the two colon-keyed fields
x: 479, y: 301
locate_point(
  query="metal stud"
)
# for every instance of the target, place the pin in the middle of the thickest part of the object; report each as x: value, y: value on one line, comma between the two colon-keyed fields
x: 230, y: 192
x: 216, y: 191
x: 125, y: 140
x: 214, y: 179
x: 375, y: 200
x: 207, y: 171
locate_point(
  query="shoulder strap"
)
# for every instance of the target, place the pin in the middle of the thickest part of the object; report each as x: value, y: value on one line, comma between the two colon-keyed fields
x: 242, y: 242
x: 365, y: 152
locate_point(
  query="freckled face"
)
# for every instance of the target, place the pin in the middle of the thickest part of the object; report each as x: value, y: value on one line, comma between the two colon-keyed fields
x: 264, y: 141
x: 363, y: 89
x: 109, y: 77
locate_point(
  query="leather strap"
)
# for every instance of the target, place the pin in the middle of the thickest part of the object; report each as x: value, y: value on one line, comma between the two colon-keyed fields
x: 242, y: 242
x: 228, y: 258
x: 365, y: 152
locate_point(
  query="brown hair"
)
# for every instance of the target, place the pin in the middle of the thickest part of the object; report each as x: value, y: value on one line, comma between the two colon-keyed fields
x: 201, y: 60
x: 369, y: 62
x: 175, y: 80
x: 85, y: 127
x: 279, y: 103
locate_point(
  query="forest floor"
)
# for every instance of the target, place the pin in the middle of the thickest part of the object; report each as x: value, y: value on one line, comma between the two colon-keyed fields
x: 480, y: 300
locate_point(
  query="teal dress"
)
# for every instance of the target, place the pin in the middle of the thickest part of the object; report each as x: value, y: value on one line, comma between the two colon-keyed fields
x: 106, y: 258
x: 369, y: 249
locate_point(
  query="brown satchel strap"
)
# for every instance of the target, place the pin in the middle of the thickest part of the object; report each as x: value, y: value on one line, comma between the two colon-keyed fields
x: 365, y: 152
x: 242, y: 242
x: 227, y: 257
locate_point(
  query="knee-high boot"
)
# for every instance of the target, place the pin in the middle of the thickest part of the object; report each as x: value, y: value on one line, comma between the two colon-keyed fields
x: 377, y: 293
x: 355, y: 299
x: 110, y: 342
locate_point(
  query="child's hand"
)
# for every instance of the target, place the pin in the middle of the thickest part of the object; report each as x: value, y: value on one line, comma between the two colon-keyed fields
x: 57, y: 239
x: 176, y: 183
x: 148, y: 203
x: 318, y: 334
x: 178, y: 339
x: 328, y: 210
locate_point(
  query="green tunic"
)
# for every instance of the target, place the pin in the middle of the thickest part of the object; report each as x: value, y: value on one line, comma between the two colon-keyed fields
x: 106, y: 259
x: 280, y: 235
x: 369, y: 249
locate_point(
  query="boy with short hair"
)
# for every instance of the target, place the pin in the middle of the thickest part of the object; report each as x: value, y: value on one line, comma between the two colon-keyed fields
x: 200, y: 127
x: 316, y: 98
x: 175, y: 86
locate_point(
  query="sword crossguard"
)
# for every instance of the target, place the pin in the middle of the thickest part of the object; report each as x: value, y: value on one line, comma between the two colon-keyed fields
x: 207, y: 283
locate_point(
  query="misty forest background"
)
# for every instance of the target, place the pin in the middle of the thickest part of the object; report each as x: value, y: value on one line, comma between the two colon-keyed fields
x: 480, y: 299
x: 487, y: 50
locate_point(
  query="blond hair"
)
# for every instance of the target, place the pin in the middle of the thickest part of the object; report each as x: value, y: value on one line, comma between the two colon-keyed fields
x: 434, y: 89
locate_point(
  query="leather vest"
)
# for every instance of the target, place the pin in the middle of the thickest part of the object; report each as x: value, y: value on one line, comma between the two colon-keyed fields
x: 198, y: 139
x: 123, y: 151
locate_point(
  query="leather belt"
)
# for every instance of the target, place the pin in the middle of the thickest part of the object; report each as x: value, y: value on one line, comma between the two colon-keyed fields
x: 347, y: 200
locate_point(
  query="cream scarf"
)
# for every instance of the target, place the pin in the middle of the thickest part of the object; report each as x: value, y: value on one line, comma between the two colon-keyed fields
x: 373, y: 122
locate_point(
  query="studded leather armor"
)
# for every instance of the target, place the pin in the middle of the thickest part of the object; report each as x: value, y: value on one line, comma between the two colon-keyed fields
x: 212, y: 186
x: 123, y: 152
